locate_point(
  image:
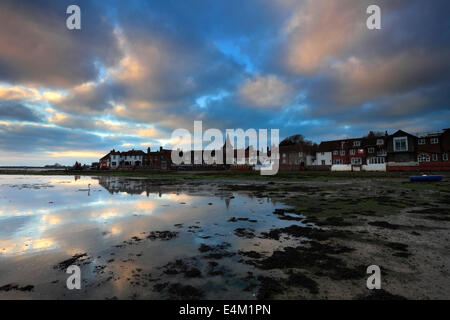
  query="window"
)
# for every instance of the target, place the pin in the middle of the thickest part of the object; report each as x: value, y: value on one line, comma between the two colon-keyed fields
x: 335, y: 152
x: 352, y: 152
x: 337, y: 161
x: 371, y: 150
x: 356, y: 143
x: 401, y: 144
x: 323, y: 162
x: 422, y: 141
x: 375, y: 160
x: 342, y: 152
x: 434, y: 140
x: 435, y: 157
x: 322, y: 153
x: 380, y: 142
x: 113, y: 164
x: 356, y: 161
x: 445, y: 157
x: 423, y: 158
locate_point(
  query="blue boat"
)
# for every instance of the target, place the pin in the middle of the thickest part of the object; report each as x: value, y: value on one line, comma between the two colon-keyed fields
x: 425, y: 178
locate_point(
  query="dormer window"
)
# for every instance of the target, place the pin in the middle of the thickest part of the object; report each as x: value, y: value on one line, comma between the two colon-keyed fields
x: 422, y: 141
x: 380, y: 142
x: 356, y: 143
x: 434, y: 140
x: 400, y: 144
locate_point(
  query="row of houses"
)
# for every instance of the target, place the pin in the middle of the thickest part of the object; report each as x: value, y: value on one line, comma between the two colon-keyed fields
x: 400, y: 151
x: 159, y: 160
x: 162, y: 159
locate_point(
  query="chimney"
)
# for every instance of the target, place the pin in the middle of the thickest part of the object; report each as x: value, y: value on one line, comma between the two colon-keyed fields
x: 148, y: 150
x: 386, y: 133
x: 160, y: 149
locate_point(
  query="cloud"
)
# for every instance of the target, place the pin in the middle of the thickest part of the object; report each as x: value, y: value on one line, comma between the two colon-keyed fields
x: 25, y: 143
x: 359, y: 81
x: 139, y: 69
x: 320, y: 31
x: 99, y: 125
x: 36, y: 48
x: 18, y: 92
x: 86, y: 98
x: 266, y: 92
x: 13, y: 110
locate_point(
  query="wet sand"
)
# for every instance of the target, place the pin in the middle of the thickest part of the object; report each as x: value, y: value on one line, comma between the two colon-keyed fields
x: 204, y: 239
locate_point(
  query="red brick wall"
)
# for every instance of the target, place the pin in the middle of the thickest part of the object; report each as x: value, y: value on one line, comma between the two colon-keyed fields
x: 423, y: 166
x: 293, y: 167
x: 242, y: 167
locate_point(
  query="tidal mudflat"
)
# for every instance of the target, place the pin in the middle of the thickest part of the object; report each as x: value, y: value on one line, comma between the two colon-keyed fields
x: 219, y: 239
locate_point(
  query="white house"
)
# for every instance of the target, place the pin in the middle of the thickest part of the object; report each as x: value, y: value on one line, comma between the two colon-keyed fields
x: 324, y: 154
x: 114, y: 159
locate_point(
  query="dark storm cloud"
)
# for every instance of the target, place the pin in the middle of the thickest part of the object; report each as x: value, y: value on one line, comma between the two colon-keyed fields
x: 13, y: 110
x: 37, y: 48
x: 35, y: 139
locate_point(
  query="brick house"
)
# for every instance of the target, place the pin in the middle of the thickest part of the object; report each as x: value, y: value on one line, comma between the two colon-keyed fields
x: 296, y: 155
x: 425, y: 152
x: 445, y: 143
x: 158, y: 160
x: 348, y: 151
x: 401, y: 148
x: 354, y: 154
x: 375, y: 149
x: 431, y: 147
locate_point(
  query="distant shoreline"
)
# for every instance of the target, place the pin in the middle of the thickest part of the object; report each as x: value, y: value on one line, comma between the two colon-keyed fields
x: 26, y: 168
x: 211, y: 175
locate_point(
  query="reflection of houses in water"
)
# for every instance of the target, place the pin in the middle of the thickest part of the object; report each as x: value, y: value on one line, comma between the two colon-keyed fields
x: 139, y: 186
x: 130, y: 186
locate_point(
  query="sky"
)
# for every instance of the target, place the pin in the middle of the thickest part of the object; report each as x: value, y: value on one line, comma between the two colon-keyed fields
x: 137, y: 70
